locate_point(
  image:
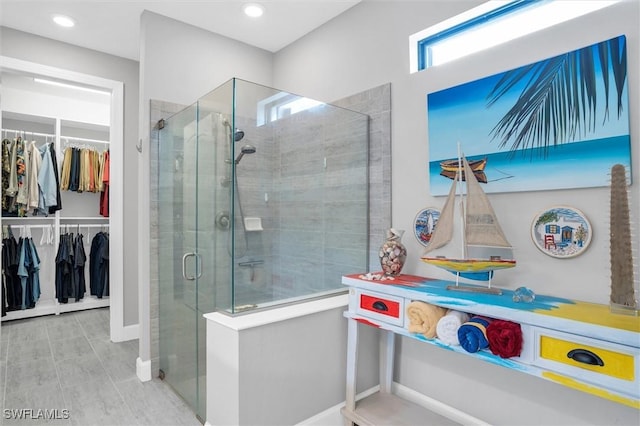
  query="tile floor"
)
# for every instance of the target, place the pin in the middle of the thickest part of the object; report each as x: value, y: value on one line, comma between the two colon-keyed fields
x: 67, y: 362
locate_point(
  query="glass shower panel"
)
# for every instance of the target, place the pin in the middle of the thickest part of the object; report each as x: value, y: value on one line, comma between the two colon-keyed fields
x: 216, y: 132
x: 300, y: 197
x: 179, y: 262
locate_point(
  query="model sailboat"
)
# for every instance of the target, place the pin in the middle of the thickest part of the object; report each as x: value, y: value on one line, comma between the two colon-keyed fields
x: 485, y: 248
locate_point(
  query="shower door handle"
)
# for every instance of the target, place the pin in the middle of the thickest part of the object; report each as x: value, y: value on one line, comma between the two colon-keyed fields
x: 198, y: 266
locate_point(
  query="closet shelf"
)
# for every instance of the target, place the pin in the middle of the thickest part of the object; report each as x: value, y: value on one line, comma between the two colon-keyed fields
x: 93, y: 218
x: 76, y: 139
x: 25, y: 218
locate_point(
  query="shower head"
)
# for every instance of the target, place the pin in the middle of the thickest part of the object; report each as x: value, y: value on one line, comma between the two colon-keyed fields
x: 247, y: 149
x: 237, y: 135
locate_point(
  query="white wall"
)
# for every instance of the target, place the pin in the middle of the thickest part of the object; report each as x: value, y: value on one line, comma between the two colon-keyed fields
x: 183, y: 63
x: 46, y: 105
x: 29, y: 47
x: 367, y: 46
x: 179, y: 64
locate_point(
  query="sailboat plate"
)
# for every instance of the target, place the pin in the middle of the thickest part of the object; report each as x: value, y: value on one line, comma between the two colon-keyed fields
x: 469, y: 265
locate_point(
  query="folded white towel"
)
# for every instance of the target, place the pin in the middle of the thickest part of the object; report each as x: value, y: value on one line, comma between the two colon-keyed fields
x: 448, y: 325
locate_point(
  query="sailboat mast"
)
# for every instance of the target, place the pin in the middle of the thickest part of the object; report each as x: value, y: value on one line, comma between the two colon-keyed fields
x: 460, y: 192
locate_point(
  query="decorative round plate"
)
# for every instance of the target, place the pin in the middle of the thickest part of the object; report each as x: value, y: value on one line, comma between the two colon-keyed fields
x: 561, y: 232
x: 425, y: 223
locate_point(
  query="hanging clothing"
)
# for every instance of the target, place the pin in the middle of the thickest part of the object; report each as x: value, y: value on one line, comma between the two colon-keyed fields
x: 58, y: 206
x: 20, y: 273
x: 48, y: 189
x: 12, y: 296
x: 22, y: 158
x: 104, y: 195
x: 10, y: 184
x: 99, y: 265
x: 65, y: 284
x: 6, y: 171
x: 74, y: 180
x: 79, y: 261
x: 87, y: 170
x: 65, y: 175
x: 35, y: 271
x: 26, y: 271
x: 12, y: 189
x: 35, y: 164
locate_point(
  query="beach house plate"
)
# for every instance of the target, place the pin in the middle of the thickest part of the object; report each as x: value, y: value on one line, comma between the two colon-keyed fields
x: 561, y: 232
x: 425, y: 223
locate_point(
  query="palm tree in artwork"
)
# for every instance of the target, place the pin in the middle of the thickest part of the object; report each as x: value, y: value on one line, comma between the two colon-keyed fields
x: 558, y: 101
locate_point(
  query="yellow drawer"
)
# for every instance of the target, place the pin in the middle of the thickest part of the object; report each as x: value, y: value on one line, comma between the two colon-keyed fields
x: 597, y: 359
x: 598, y: 363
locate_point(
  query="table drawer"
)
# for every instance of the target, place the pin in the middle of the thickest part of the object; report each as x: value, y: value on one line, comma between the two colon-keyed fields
x: 596, y: 361
x: 382, y: 307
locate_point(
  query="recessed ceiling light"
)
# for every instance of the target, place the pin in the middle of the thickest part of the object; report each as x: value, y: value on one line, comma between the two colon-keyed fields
x: 253, y: 10
x: 64, y: 21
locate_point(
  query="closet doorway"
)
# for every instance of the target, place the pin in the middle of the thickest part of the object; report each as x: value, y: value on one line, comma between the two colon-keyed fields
x: 41, y: 100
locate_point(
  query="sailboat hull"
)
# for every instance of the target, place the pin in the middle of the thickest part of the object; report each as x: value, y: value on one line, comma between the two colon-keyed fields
x: 456, y: 266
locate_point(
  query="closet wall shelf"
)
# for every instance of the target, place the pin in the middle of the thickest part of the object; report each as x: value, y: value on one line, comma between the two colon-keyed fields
x: 76, y: 139
x: 24, y: 218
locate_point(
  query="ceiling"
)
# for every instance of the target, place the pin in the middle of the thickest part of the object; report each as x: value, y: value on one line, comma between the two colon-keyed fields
x: 113, y: 26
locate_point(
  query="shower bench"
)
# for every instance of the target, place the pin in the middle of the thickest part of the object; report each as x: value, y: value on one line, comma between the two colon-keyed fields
x: 576, y: 344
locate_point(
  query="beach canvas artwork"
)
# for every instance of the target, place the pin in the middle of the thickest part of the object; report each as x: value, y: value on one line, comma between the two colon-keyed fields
x: 555, y: 124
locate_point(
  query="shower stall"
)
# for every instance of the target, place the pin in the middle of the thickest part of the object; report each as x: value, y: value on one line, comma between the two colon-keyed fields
x: 262, y: 201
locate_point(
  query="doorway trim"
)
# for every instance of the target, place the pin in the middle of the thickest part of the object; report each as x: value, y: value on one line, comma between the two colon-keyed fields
x: 118, y: 331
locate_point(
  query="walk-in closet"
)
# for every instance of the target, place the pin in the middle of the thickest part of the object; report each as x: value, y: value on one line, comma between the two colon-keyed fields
x: 61, y: 169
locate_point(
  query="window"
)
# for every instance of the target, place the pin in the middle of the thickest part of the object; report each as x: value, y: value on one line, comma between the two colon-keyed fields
x: 490, y: 24
x: 282, y: 105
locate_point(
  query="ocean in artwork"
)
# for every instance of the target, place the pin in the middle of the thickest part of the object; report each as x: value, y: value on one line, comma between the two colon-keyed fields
x: 569, y: 165
x: 538, y: 126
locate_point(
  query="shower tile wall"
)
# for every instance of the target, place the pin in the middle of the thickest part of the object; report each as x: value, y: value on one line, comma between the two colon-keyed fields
x: 376, y: 103
x: 321, y: 207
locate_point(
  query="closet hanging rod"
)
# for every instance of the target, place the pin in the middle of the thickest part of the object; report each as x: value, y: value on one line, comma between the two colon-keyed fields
x: 73, y: 138
x: 30, y: 133
x: 104, y: 225
x: 75, y: 219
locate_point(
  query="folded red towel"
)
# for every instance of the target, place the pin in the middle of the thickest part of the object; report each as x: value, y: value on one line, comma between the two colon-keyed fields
x: 505, y: 338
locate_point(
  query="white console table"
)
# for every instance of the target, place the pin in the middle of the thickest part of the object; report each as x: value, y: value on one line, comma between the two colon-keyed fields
x: 554, y: 330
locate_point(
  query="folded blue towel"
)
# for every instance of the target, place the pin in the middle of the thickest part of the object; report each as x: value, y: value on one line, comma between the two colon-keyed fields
x: 473, y: 334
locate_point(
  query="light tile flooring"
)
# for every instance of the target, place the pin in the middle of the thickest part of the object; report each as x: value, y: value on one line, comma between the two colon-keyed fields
x: 67, y: 362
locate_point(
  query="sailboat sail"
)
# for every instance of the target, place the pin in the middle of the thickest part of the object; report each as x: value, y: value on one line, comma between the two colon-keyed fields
x: 482, y: 227
x: 486, y: 247
x: 443, y: 233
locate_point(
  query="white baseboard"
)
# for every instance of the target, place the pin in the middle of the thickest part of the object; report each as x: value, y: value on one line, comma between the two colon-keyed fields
x: 332, y: 416
x: 143, y: 370
x: 126, y: 333
x: 131, y: 332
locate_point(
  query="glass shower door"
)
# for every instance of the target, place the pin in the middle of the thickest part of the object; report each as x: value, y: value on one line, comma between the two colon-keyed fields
x: 181, y: 334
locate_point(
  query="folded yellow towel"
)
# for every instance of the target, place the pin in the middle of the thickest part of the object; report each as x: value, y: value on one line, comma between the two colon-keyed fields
x: 423, y: 318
